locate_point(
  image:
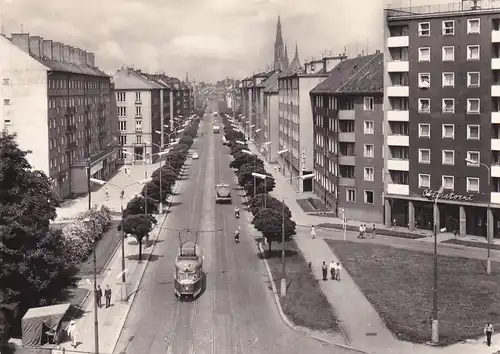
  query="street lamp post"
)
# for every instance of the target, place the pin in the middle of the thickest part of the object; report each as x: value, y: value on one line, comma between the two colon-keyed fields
x: 123, y: 288
x: 489, y: 223
x: 435, y: 324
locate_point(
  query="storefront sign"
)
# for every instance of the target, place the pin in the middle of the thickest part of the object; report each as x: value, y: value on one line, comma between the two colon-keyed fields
x: 432, y: 194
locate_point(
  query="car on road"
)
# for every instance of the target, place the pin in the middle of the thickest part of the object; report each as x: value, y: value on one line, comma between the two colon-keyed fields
x: 194, y: 155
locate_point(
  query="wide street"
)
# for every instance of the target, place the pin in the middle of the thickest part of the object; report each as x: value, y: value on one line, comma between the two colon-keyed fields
x: 236, y: 313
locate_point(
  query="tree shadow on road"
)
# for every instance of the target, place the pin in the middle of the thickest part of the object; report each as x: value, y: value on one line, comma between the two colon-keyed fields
x: 145, y: 257
x: 275, y: 253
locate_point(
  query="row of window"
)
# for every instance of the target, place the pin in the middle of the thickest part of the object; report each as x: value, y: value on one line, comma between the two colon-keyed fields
x: 76, y: 84
x: 138, y: 139
x: 121, y: 96
x: 350, y: 196
x: 448, y: 105
x: 122, y: 111
x: 345, y: 126
x: 63, y: 102
x: 448, y: 27
x: 448, y: 157
x: 472, y: 183
x: 122, y: 125
x: 448, y: 79
x: 448, y: 53
x: 448, y: 131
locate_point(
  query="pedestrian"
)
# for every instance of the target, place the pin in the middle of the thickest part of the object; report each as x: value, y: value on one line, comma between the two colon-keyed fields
x: 394, y: 222
x: 71, y: 331
x: 373, y: 231
x: 360, y: 231
x: 364, y: 231
x: 107, y: 295
x: 488, y: 330
x: 106, y: 192
x: 337, y: 271
x: 313, y: 232
x: 324, y: 270
x: 332, y: 270
x: 98, y: 296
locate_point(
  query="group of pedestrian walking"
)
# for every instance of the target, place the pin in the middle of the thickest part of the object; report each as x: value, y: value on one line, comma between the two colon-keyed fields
x: 334, y: 268
x: 362, y: 231
x: 107, y: 296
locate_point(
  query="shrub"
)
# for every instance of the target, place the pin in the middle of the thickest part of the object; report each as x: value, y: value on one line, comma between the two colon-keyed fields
x: 79, y: 240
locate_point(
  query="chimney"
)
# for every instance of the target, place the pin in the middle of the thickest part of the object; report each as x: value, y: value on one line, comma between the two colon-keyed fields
x: 22, y: 41
x: 91, y: 59
x: 83, y: 58
x: 57, y: 51
x: 377, y: 51
x: 65, y: 53
x: 72, y: 55
x: 77, y: 52
x: 47, y: 48
x: 36, y: 47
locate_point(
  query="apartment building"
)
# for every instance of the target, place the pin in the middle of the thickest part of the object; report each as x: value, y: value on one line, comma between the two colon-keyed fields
x: 261, y: 83
x: 348, y: 138
x: 58, y: 103
x: 246, y: 98
x: 270, y: 119
x: 296, y: 126
x: 442, y: 100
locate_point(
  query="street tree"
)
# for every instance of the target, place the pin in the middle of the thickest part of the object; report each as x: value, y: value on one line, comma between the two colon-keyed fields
x: 269, y: 222
x: 186, y: 140
x: 241, y: 158
x: 139, y: 226
x: 153, y: 190
x: 236, y: 148
x: 261, y: 186
x: 168, y: 174
x: 245, y: 171
x: 137, y: 205
x: 257, y: 203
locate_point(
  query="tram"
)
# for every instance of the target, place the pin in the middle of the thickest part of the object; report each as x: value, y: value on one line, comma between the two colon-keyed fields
x: 188, y: 277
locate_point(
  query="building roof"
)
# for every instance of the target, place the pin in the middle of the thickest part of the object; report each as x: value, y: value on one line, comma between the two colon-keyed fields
x: 130, y: 79
x: 271, y: 83
x: 363, y: 74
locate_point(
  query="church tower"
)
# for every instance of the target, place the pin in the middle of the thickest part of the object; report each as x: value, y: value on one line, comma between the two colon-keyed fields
x: 279, y: 49
x: 286, y: 63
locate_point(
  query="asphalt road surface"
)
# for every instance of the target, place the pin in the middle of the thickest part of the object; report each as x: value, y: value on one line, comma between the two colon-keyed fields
x: 236, y: 313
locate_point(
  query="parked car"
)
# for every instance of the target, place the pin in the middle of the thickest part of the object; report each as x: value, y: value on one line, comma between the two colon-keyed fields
x: 195, y: 155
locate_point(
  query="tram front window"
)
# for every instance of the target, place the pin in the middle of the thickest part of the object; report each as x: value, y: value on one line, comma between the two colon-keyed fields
x: 187, y: 276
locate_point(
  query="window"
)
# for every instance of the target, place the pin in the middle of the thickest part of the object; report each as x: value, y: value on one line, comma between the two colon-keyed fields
x: 6, y: 101
x: 424, y: 156
x: 473, y: 156
x: 369, y: 174
x: 424, y: 54
x: 137, y: 97
x: 122, y: 111
x: 472, y: 132
x: 138, y: 139
x: 138, y: 111
x: 473, y: 79
x: 424, y: 29
x: 6, y: 81
x: 472, y: 52
x: 123, y: 140
x: 448, y: 28
x: 368, y: 103
x: 369, y: 127
x: 424, y: 105
x: 122, y: 126
x: 138, y: 125
x: 369, y: 150
x: 473, y: 25
x: 448, y: 105
x: 350, y: 195
x: 424, y: 130
x: 120, y: 96
x: 448, y: 131
x: 424, y: 181
x: 448, y: 53
x: 448, y: 157
x: 448, y: 182
x: 448, y: 79
x: 473, y: 106
x: 472, y: 184
x: 369, y: 197
x: 424, y: 80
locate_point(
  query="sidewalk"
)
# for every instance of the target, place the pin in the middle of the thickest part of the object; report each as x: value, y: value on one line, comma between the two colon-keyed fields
x: 72, y: 208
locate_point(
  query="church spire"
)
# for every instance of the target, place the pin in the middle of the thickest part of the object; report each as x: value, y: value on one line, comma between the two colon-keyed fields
x: 187, y: 78
x: 285, y: 59
x: 296, y: 51
x: 279, y: 36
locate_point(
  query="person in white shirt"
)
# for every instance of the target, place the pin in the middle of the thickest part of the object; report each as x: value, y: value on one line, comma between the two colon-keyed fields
x: 332, y: 270
x: 488, y: 330
x: 360, y: 231
x: 337, y: 271
x: 313, y: 232
x: 71, y: 330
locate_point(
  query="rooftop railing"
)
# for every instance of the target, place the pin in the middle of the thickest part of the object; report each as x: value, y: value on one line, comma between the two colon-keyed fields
x: 485, y: 5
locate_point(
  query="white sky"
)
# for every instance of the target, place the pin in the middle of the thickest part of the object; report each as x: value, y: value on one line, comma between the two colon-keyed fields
x: 210, y: 39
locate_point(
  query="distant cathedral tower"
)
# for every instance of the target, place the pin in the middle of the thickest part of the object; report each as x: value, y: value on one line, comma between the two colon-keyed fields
x: 280, y: 52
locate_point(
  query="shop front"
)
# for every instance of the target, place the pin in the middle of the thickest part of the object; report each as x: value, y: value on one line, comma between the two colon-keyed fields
x: 103, y: 168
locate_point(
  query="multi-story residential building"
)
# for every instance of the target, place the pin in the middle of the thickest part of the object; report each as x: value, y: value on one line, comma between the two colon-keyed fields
x: 296, y: 126
x: 271, y: 117
x: 246, y: 98
x: 348, y: 138
x: 442, y: 100
x: 258, y: 105
x: 58, y: 103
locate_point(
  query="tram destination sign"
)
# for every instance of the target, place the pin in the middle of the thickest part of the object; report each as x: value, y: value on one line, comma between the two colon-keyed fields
x: 432, y: 194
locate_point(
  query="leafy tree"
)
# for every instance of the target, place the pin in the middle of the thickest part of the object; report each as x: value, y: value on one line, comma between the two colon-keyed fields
x: 257, y: 203
x: 244, y: 174
x: 33, y: 266
x: 78, y: 241
x: 192, y: 131
x: 139, y: 226
x: 186, y: 140
x: 101, y: 219
x: 168, y: 174
x: 136, y: 206
x: 236, y: 148
x: 241, y: 158
x: 269, y: 222
x: 265, y: 186
x: 154, y: 191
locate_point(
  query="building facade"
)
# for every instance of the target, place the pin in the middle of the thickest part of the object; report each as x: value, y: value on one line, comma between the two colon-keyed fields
x: 296, y: 126
x: 271, y: 117
x: 55, y: 92
x: 442, y: 94
x: 348, y: 139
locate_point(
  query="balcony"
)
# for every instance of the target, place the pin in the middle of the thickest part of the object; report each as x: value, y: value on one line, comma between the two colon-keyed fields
x: 398, y: 66
x: 346, y: 114
x: 398, y: 41
x: 347, y: 137
x: 495, y: 171
x: 398, y: 140
x: 495, y: 64
x: 71, y: 146
x: 347, y: 182
x: 495, y: 117
x: 495, y: 144
x: 398, y: 165
x: 495, y: 90
x: 398, y: 116
x: 347, y: 160
x: 70, y: 128
x: 495, y: 36
x: 398, y: 189
x: 398, y: 91
x: 495, y: 198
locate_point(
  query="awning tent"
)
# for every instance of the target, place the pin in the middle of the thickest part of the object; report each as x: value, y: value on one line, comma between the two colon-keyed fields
x: 38, y: 320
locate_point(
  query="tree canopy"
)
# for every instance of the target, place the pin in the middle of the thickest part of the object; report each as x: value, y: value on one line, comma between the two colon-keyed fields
x: 136, y: 206
x: 269, y: 222
x: 139, y: 226
x: 257, y: 203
